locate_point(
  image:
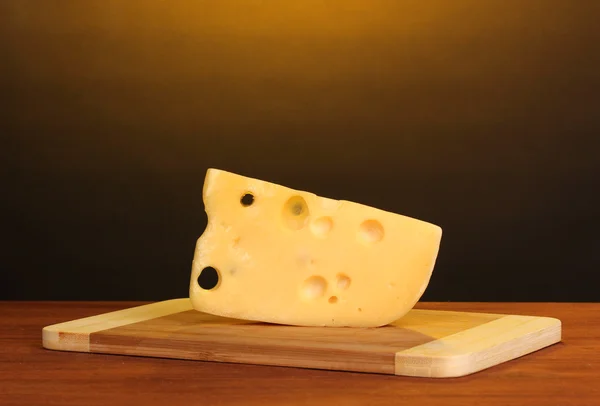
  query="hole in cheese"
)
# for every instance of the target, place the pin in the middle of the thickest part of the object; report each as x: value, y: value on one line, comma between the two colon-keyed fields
x: 208, y: 278
x: 333, y: 299
x: 313, y: 287
x: 342, y: 281
x: 321, y: 226
x: 371, y: 231
x: 247, y: 199
x: 295, y: 212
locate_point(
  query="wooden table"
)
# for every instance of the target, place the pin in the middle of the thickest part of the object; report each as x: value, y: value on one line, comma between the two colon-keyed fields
x: 567, y: 373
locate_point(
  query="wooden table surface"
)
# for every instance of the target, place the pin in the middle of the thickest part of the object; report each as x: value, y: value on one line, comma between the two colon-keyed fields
x: 567, y: 373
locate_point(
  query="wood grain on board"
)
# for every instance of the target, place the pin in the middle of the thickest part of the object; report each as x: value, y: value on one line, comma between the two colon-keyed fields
x: 425, y: 343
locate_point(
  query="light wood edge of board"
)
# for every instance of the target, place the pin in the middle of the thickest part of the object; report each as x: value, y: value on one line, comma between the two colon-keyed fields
x: 75, y: 335
x: 480, y: 347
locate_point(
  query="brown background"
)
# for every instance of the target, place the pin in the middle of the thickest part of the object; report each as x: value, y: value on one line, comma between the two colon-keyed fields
x: 480, y: 116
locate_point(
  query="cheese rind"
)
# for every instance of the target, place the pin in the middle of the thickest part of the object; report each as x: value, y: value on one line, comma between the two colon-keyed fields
x: 292, y: 257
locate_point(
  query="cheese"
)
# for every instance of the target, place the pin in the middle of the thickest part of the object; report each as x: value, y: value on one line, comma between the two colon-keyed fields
x: 278, y: 255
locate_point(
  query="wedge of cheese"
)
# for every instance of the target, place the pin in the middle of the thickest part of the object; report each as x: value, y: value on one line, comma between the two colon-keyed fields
x: 279, y: 255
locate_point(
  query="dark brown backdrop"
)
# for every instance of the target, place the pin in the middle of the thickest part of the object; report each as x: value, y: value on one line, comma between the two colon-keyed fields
x: 480, y: 116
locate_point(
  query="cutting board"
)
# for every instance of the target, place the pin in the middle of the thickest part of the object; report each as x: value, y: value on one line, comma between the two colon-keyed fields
x: 424, y: 343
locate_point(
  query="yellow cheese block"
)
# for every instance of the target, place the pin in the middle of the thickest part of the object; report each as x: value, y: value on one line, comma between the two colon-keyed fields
x: 279, y: 255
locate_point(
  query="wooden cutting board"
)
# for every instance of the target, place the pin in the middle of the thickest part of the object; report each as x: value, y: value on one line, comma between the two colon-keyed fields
x: 424, y: 343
